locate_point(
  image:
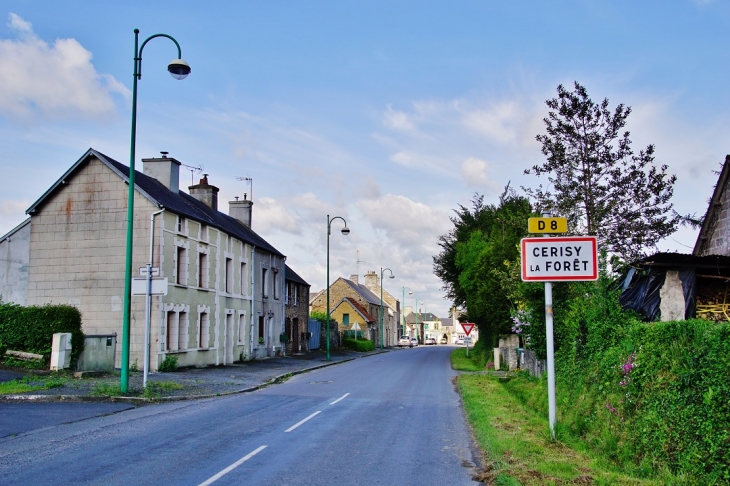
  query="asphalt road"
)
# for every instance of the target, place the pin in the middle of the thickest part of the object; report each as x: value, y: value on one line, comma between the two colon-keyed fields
x: 392, y: 418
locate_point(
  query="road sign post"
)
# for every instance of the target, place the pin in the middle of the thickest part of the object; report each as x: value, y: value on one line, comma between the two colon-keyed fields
x: 550, y: 259
x: 467, y: 327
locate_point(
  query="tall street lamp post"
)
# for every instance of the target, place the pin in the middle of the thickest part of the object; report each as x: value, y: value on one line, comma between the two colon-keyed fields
x: 417, y: 301
x: 345, y: 231
x: 402, y: 313
x: 179, y: 69
x: 381, y: 302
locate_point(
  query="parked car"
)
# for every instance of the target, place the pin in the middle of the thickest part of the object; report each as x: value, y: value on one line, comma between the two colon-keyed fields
x: 429, y: 341
x: 414, y: 342
x: 444, y: 340
x: 460, y: 341
x: 404, y: 341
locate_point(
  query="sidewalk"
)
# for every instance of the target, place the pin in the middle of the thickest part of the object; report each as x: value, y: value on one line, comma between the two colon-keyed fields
x: 186, y: 384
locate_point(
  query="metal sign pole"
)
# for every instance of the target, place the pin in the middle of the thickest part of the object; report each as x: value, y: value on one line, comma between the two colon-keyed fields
x: 550, y: 355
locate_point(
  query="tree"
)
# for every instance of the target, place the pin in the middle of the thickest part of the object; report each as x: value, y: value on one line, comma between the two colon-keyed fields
x: 598, y: 182
x: 473, y: 255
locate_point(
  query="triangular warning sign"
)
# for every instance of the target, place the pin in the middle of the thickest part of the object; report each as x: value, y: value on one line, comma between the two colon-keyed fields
x: 467, y: 326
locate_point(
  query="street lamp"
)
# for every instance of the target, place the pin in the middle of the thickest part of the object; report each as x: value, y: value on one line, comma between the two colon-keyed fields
x: 416, y: 307
x: 179, y: 69
x: 345, y: 231
x: 402, y: 314
x: 381, y: 302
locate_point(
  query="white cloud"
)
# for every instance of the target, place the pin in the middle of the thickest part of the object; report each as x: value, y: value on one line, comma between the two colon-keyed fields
x: 272, y: 215
x: 59, y: 81
x: 476, y: 174
x: 397, y: 120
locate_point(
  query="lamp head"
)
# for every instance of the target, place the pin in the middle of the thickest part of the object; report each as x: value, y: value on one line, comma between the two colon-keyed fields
x: 345, y: 231
x: 410, y: 293
x: 392, y: 276
x: 178, y: 69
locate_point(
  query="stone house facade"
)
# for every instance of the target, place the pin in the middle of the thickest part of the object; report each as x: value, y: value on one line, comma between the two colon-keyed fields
x: 714, y: 236
x: 359, y: 293
x: 391, y: 310
x: 225, y: 283
x: 296, y: 300
x: 351, y: 316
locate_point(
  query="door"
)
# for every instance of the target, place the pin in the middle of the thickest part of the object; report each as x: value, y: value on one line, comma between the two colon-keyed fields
x: 228, y: 359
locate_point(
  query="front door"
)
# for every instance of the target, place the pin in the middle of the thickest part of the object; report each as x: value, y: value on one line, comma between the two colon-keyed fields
x: 228, y: 359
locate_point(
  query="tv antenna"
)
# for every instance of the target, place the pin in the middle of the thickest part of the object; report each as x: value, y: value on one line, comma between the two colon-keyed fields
x: 358, y: 262
x: 193, y: 169
x: 249, y: 181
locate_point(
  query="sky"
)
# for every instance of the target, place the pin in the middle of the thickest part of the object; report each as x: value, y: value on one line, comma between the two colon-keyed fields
x: 389, y: 114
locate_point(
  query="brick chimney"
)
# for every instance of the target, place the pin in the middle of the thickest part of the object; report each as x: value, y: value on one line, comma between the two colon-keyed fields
x: 241, y: 210
x: 205, y: 193
x: 372, y: 281
x: 165, y: 169
x: 354, y: 278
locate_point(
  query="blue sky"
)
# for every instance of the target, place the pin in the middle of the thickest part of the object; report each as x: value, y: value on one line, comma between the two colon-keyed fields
x: 387, y: 113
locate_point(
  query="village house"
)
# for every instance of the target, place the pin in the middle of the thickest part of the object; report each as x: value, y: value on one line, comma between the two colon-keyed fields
x: 297, y: 312
x: 225, y: 296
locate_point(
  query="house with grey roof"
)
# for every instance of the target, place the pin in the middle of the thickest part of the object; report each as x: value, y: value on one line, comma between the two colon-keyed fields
x: 296, y: 301
x: 366, y: 298
x: 225, y: 283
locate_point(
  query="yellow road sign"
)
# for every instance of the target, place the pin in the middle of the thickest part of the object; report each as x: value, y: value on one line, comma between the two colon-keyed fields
x: 547, y: 225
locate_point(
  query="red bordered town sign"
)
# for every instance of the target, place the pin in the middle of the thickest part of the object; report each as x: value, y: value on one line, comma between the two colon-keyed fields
x: 564, y: 258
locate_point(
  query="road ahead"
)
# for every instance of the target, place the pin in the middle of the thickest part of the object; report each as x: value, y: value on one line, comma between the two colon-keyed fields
x: 392, y: 418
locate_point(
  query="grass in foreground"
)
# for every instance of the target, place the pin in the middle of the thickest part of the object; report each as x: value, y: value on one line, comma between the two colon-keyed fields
x: 30, y: 383
x: 518, y: 446
x: 460, y: 362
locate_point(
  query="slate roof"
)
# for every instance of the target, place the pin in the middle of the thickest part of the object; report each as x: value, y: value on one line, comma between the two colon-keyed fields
x: 294, y: 277
x: 422, y: 317
x: 180, y: 203
x: 447, y: 322
x: 366, y: 293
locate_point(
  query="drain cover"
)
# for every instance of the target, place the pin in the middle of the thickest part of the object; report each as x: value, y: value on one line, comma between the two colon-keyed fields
x: 320, y: 382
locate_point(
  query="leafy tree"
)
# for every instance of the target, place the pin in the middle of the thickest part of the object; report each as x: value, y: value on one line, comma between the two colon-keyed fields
x: 597, y: 181
x: 473, y: 257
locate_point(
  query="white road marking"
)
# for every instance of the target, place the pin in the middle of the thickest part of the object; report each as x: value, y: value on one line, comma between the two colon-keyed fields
x: 233, y: 466
x: 341, y: 398
x: 302, y: 421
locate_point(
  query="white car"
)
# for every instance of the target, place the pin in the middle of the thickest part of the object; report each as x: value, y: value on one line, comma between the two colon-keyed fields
x: 429, y: 341
x: 414, y: 342
x: 404, y: 341
x: 460, y: 341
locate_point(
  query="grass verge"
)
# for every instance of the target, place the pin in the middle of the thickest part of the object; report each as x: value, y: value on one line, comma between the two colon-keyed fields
x: 30, y: 383
x: 460, y: 362
x: 518, y: 446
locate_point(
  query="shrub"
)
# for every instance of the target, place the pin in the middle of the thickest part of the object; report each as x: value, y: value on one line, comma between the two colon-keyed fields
x: 168, y: 364
x: 31, y: 328
x: 359, y: 344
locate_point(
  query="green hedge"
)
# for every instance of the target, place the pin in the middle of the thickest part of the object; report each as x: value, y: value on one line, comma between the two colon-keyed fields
x: 359, y: 345
x: 31, y: 328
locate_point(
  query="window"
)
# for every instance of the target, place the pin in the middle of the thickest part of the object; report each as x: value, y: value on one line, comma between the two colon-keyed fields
x: 241, y: 328
x: 182, y: 225
x: 243, y: 279
x: 346, y: 320
x: 265, y: 282
x: 172, y: 331
x: 204, y: 332
x: 276, y: 284
x: 203, y: 270
x: 182, y: 266
x: 229, y: 275
x: 183, y: 331
x: 261, y: 330
x: 203, y: 232
x: 229, y: 245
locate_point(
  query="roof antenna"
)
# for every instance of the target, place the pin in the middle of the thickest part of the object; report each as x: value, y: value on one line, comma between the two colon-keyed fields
x: 192, y: 169
x: 249, y: 181
x: 358, y: 262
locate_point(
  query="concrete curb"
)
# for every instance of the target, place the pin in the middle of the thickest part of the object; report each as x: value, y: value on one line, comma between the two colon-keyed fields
x: 148, y: 401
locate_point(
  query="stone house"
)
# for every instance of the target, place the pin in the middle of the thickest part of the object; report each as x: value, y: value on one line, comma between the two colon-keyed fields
x: 351, y: 316
x: 391, y: 309
x: 296, y: 309
x: 365, y: 297
x: 225, y: 283
x: 423, y: 325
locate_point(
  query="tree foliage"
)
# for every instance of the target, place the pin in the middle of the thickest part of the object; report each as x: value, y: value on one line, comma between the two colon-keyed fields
x: 471, y: 264
x: 597, y: 181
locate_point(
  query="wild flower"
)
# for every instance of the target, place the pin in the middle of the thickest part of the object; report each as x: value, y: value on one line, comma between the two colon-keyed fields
x: 612, y: 409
